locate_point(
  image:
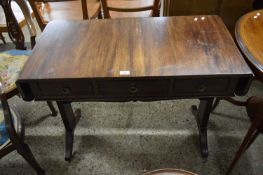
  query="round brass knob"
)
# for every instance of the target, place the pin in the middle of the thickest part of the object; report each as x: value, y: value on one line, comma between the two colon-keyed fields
x: 133, y: 89
x: 201, y: 88
x: 65, y: 90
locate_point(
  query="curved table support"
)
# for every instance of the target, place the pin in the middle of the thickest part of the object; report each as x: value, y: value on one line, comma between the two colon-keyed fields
x: 70, y: 120
x: 202, y: 116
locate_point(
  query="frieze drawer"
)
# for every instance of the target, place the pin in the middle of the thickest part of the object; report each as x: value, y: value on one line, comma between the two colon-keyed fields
x: 201, y: 86
x: 66, y: 88
x: 133, y: 87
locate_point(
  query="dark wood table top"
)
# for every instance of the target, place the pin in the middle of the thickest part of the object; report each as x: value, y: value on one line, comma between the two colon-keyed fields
x: 135, y: 47
x: 249, y: 35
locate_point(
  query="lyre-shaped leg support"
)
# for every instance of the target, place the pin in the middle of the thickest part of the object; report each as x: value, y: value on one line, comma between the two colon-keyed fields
x: 202, y: 114
x: 70, y: 120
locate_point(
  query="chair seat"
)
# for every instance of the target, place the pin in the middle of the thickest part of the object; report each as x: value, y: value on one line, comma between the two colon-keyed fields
x: 129, y: 4
x: 11, y: 63
x: 4, y: 138
x: 70, y: 10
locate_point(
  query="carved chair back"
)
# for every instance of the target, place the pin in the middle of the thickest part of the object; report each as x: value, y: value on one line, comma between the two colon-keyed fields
x: 107, y: 7
x: 47, y: 10
x: 12, y: 61
x: 14, y: 31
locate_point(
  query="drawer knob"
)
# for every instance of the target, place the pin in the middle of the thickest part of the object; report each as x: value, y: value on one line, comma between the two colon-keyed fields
x: 133, y: 89
x: 201, y: 88
x: 65, y: 90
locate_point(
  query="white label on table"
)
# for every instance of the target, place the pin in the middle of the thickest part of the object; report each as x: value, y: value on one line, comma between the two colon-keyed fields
x: 125, y: 72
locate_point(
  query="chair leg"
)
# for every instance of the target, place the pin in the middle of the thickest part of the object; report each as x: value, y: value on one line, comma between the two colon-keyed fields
x: 252, y: 139
x: 248, y: 140
x: 26, y: 153
x: 2, y: 38
x: 52, y: 108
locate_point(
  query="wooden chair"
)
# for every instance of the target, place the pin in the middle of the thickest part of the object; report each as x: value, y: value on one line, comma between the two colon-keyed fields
x: 48, y: 10
x: 19, y: 17
x: 12, y: 61
x: 136, y: 8
x: 12, y: 134
x: 254, y: 107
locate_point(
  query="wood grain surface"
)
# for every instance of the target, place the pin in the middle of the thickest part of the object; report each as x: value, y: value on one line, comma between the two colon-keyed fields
x: 144, y: 47
x: 249, y: 35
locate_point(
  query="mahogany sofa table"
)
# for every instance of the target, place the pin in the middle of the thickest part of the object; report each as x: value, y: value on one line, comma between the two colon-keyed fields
x: 135, y: 59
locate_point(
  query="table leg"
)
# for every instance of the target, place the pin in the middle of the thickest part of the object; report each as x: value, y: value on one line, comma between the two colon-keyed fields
x: 70, y: 121
x: 202, y: 116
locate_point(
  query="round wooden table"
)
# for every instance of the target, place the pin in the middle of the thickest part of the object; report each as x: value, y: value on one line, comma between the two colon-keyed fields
x: 249, y: 36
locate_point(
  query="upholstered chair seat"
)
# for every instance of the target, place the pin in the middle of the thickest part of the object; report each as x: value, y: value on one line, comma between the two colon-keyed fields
x: 11, y: 64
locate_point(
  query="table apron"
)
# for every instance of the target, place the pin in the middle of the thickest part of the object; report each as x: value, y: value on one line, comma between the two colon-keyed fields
x: 132, y: 89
